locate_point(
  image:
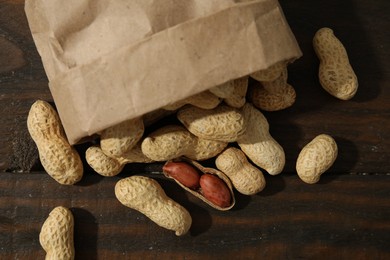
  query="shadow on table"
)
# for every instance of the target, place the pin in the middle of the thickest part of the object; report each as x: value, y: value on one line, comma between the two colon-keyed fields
x: 85, y: 234
x: 201, y: 217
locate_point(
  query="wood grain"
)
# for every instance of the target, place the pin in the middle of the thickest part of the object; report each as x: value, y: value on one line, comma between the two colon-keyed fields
x: 360, y: 126
x: 290, y: 219
x: 345, y: 216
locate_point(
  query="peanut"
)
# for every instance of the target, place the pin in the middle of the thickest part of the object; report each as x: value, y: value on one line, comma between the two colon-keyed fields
x: 238, y: 98
x: 224, y: 90
x: 335, y: 72
x: 245, y: 177
x: 60, y: 160
x: 258, y: 144
x: 101, y: 163
x: 56, y: 236
x: 183, y: 173
x: 205, y: 100
x: 223, y: 123
x: 111, y: 166
x: 146, y: 196
x: 273, y: 95
x: 232, y: 92
x: 215, y: 190
x: 198, y: 192
x: 316, y: 158
x: 269, y: 74
x: 174, y: 141
x: 120, y: 138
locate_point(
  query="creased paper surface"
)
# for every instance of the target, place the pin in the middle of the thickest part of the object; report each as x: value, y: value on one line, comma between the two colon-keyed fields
x: 109, y: 61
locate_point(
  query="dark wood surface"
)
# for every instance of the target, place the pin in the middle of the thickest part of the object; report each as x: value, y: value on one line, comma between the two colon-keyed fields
x: 345, y: 216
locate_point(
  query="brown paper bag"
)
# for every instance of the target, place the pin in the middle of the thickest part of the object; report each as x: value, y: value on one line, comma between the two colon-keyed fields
x: 109, y: 61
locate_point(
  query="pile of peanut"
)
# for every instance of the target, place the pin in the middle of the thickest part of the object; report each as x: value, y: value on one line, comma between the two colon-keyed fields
x: 224, y: 123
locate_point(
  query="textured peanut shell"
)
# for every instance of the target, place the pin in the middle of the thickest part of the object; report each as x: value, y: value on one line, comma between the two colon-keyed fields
x: 173, y: 141
x: 60, y: 160
x: 197, y: 193
x: 273, y: 95
x: 335, y: 72
x: 110, y: 166
x: 246, y: 178
x: 316, y: 158
x: 224, y: 90
x: 205, y: 100
x: 146, y: 196
x: 120, y: 138
x: 269, y: 74
x: 258, y: 144
x: 56, y: 236
x: 223, y: 123
x: 102, y: 163
x: 238, y: 98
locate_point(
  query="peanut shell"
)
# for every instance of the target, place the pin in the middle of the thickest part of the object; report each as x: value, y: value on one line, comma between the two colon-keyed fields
x: 147, y: 196
x: 316, y: 158
x: 223, y: 123
x: 56, y: 236
x: 197, y: 193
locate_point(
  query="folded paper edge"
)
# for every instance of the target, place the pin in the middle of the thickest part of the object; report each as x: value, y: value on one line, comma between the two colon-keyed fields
x: 83, y: 87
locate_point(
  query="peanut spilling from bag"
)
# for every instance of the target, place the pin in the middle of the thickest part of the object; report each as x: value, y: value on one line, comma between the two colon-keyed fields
x: 146, y: 196
x: 56, y: 236
x: 60, y: 160
x: 273, y: 95
x: 111, y: 166
x: 173, y: 141
x: 316, y: 158
x: 245, y: 177
x: 335, y: 72
x: 271, y: 73
x: 223, y: 123
x: 115, y: 141
x: 233, y: 92
x: 205, y: 100
x: 258, y: 144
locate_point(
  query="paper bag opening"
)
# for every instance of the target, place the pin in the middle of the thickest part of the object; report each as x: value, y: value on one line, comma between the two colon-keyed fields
x: 162, y: 58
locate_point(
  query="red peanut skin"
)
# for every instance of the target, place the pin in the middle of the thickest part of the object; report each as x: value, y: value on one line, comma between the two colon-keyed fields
x: 215, y: 190
x: 183, y: 173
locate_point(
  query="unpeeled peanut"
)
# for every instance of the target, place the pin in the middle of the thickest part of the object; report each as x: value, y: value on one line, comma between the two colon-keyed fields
x: 146, y: 196
x: 56, y: 236
x: 232, y: 92
x: 183, y: 173
x: 224, y: 90
x: 224, y: 123
x: 335, y: 72
x: 205, y: 100
x: 273, y: 95
x: 316, y: 158
x: 111, y: 166
x: 246, y: 178
x: 173, y: 141
x: 258, y: 144
x: 118, y: 139
x: 237, y: 99
x: 59, y: 159
x: 271, y: 73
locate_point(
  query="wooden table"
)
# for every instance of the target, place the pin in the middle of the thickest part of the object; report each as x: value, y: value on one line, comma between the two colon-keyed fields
x: 345, y: 216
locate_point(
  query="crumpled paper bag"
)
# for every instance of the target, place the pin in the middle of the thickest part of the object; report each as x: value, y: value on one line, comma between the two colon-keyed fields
x: 109, y: 61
